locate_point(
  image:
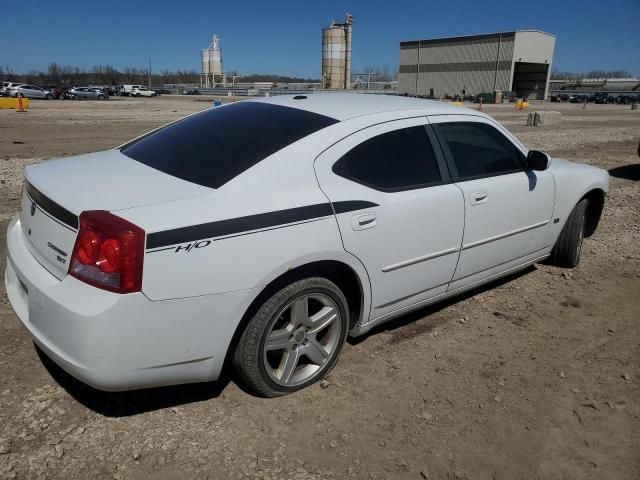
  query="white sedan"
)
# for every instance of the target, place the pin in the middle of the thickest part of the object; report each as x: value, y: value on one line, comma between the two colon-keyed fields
x: 262, y: 233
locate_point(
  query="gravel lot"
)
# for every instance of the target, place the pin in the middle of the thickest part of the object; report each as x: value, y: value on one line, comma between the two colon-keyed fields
x: 536, y: 377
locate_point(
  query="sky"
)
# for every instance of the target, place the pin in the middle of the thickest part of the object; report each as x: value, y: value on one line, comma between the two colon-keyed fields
x: 285, y: 37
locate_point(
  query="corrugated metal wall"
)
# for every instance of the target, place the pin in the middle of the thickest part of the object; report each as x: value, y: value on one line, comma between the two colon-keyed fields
x: 474, y: 64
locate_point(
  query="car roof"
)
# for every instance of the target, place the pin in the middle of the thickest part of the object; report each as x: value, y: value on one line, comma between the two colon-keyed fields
x: 343, y: 106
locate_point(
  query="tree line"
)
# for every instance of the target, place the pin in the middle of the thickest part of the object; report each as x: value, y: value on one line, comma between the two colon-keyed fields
x: 70, y: 75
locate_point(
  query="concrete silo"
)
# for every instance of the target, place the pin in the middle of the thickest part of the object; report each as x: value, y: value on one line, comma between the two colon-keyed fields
x: 336, y: 54
x: 212, y: 71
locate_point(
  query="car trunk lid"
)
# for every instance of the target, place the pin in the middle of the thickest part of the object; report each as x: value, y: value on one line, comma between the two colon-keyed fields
x: 57, y: 191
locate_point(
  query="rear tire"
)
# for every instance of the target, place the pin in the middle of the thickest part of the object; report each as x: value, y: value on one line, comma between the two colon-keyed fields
x: 566, y: 251
x: 100, y: 97
x: 49, y: 96
x: 294, y: 339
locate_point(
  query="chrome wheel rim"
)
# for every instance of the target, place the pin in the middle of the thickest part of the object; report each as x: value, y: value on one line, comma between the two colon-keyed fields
x: 302, y: 340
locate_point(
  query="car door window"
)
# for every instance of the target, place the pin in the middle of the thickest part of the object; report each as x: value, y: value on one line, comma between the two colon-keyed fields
x: 480, y: 150
x: 394, y: 161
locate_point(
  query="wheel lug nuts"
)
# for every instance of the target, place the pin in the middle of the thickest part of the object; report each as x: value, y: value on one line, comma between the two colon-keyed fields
x: 294, y: 346
x: 305, y: 341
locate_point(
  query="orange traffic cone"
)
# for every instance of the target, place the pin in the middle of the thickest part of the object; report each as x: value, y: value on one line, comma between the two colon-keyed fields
x: 20, y: 105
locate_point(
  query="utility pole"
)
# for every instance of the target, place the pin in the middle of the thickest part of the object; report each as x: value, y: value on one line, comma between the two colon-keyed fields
x: 149, y: 76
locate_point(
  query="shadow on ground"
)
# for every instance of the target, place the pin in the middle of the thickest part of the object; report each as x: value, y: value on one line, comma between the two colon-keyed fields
x: 409, y: 319
x: 123, y: 404
x: 627, y: 172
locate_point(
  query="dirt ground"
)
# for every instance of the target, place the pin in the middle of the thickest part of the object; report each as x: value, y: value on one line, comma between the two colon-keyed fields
x: 534, y: 377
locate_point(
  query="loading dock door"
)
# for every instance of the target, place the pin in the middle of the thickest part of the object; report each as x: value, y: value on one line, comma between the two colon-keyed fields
x: 530, y: 80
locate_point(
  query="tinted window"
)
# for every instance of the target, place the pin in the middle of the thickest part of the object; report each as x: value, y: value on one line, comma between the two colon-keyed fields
x: 480, y: 150
x: 212, y: 147
x: 398, y: 160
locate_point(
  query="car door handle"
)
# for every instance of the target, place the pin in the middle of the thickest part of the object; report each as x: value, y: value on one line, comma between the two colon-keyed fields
x: 364, y: 221
x: 478, y: 198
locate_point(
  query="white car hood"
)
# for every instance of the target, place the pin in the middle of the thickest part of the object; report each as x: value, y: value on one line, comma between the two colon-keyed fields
x: 107, y: 180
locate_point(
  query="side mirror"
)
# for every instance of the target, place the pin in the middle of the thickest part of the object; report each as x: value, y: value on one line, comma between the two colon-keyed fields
x: 537, y: 160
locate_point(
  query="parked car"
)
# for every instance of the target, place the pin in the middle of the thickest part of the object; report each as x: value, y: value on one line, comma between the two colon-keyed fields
x: 58, y: 92
x: 111, y: 91
x: 7, y: 86
x: 126, y: 89
x: 560, y: 97
x: 30, y: 91
x: 87, y: 93
x: 335, y: 214
x: 601, y: 98
x: 578, y: 98
x: 162, y: 91
x: 627, y: 99
x: 142, y: 91
x: 193, y: 91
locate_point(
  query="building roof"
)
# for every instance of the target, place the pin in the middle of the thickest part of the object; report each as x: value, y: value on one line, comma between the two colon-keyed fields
x: 481, y: 36
x: 343, y: 106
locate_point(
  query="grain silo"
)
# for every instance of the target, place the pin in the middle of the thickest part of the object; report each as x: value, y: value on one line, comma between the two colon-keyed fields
x: 336, y: 54
x: 212, y: 71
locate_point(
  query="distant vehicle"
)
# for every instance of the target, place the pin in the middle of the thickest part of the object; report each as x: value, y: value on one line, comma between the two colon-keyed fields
x: 6, y: 86
x: 626, y: 99
x: 560, y: 97
x: 87, y: 93
x: 126, y: 89
x: 194, y: 91
x: 30, y: 91
x: 57, y: 92
x: 111, y: 91
x: 142, y: 91
x: 601, y: 98
x: 578, y: 98
x: 162, y: 91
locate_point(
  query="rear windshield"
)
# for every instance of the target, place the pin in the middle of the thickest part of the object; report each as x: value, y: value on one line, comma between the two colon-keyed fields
x: 213, y: 147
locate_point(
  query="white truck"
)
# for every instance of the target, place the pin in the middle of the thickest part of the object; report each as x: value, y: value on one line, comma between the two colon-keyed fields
x: 127, y: 89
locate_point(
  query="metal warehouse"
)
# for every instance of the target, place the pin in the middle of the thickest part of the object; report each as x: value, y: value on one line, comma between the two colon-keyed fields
x: 517, y: 62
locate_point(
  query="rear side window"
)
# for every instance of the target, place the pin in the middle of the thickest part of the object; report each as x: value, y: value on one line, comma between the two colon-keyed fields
x: 215, y: 146
x: 480, y: 150
x: 394, y: 161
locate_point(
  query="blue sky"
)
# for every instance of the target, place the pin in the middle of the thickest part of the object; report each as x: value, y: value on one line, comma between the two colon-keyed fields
x: 285, y: 37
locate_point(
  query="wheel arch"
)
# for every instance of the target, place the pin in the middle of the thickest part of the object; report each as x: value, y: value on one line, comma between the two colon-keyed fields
x: 594, y: 210
x: 345, y: 276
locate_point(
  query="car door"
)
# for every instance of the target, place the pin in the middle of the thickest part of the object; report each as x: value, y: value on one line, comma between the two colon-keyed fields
x: 38, y: 92
x: 28, y: 91
x: 507, y: 208
x: 397, y: 210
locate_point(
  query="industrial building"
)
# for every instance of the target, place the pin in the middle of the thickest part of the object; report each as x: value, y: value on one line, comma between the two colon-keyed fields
x: 336, y: 54
x: 518, y: 62
x: 212, y: 72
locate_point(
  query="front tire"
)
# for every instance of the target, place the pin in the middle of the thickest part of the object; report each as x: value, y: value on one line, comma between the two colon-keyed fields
x: 566, y: 252
x: 294, y: 339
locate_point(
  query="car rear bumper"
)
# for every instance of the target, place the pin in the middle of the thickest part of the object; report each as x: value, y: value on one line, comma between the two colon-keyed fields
x: 120, y: 342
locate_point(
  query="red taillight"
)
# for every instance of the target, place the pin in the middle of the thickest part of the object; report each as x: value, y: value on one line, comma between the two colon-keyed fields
x: 108, y: 253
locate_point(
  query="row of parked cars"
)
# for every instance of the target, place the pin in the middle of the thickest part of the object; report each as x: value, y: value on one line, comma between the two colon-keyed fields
x: 13, y: 89
x: 599, y: 97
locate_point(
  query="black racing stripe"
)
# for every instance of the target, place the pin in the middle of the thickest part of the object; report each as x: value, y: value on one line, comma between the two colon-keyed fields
x: 51, y: 207
x: 259, y: 221
x: 351, y: 205
x: 236, y: 225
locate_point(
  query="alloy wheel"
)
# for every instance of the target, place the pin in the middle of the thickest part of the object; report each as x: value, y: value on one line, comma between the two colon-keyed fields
x: 304, y: 336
